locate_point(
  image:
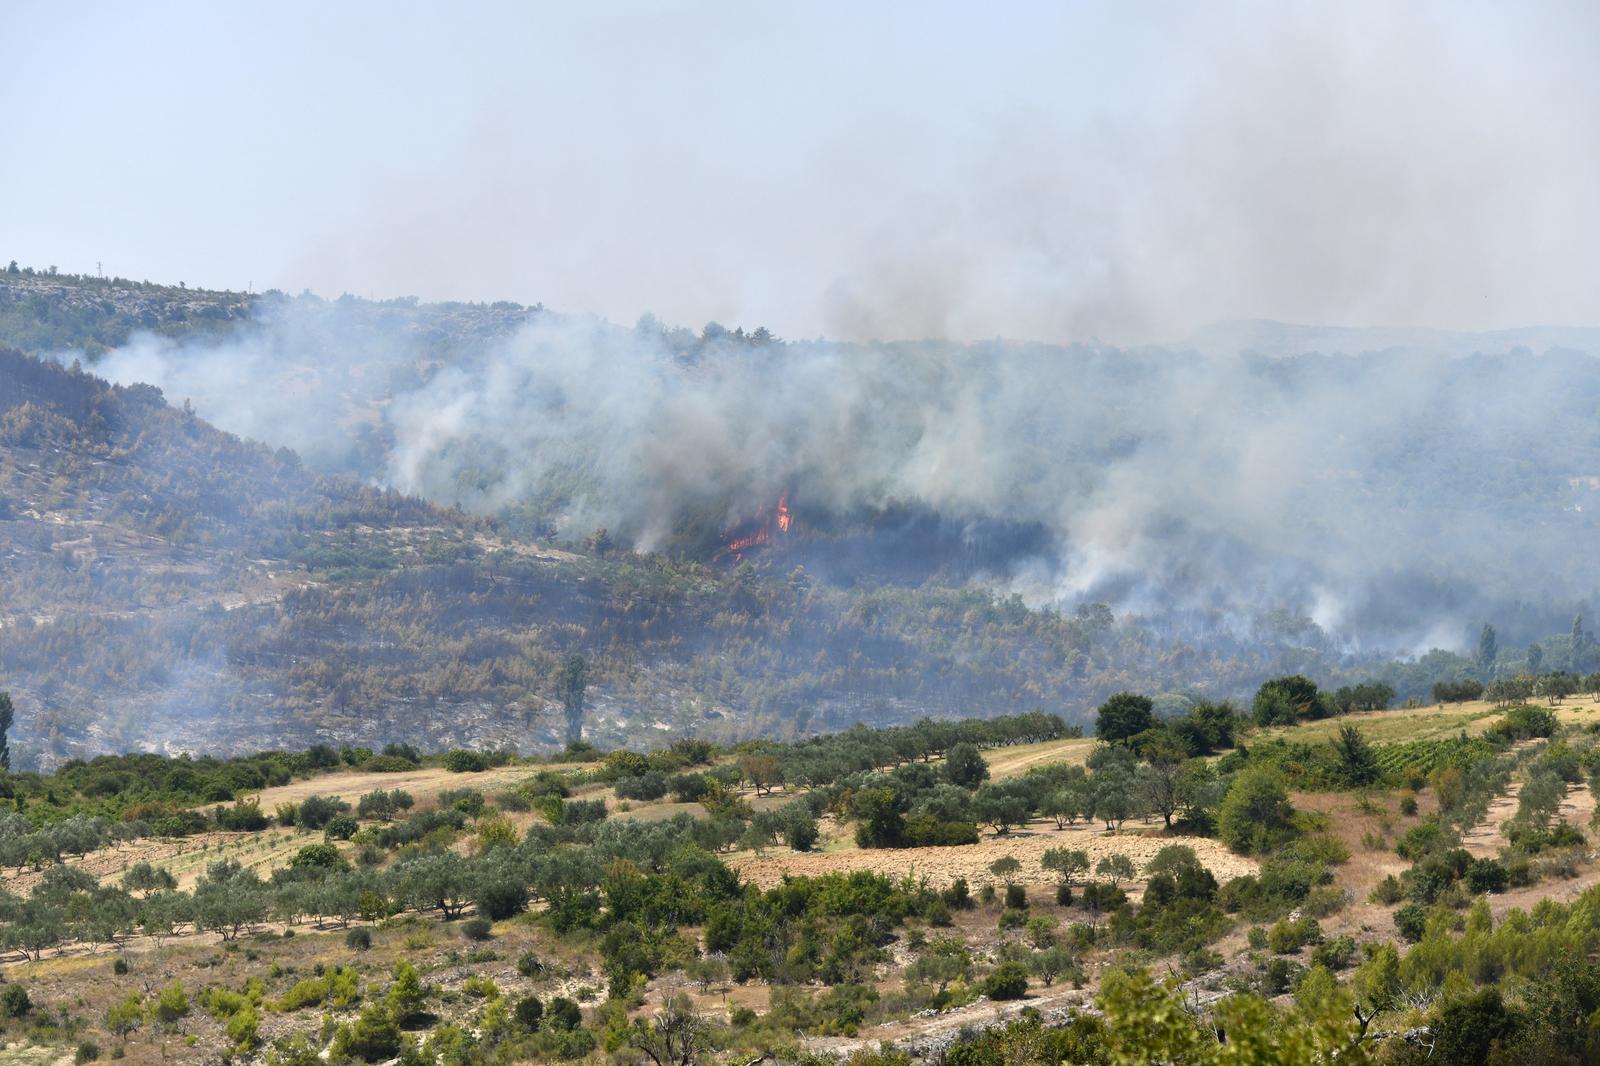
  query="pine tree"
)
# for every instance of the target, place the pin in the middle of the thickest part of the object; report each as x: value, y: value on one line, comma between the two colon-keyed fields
x: 7, y: 715
x: 1488, y: 651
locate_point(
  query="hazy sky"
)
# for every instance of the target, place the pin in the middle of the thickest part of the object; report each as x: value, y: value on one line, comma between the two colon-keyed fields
x: 1122, y: 171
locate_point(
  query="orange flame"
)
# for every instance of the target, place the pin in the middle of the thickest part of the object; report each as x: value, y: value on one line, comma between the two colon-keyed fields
x: 761, y: 534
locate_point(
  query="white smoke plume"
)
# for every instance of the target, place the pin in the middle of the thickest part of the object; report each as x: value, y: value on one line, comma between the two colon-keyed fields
x: 1395, y: 497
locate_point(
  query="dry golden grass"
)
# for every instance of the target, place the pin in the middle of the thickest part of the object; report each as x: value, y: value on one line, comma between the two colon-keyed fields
x: 1426, y: 723
x: 941, y: 866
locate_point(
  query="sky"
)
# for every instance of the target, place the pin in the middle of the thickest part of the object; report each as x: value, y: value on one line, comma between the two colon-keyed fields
x: 1059, y: 172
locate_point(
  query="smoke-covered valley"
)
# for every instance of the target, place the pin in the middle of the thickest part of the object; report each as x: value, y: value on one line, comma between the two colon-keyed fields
x: 1395, y: 489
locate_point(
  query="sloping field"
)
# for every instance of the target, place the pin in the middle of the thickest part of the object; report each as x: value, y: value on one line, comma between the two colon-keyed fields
x: 1018, y: 759
x: 943, y: 865
x: 1425, y: 723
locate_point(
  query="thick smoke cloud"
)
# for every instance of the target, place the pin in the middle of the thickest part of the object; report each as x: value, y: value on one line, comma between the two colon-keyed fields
x: 1397, y: 498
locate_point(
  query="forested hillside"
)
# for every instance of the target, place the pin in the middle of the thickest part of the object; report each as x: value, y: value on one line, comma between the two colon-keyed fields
x: 169, y: 585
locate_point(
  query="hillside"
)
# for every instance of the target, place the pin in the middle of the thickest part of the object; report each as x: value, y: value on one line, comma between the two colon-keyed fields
x: 885, y: 897
x: 169, y: 586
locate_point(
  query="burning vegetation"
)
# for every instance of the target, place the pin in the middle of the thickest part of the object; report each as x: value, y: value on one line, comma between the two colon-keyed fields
x: 759, y: 532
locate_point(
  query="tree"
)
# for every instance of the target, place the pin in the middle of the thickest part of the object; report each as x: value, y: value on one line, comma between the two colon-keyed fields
x: 126, y: 1016
x: 946, y: 960
x: 1358, y: 763
x: 762, y: 770
x: 1009, y: 980
x: 172, y: 1005
x: 1065, y: 862
x: 707, y: 970
x: 1005, y: 867
x: 1000, y: 807
x: 7, y: 715
x: 1116, y: 867
x: 1051, y: 962
x: 1255, y: 813
x: 676, y: 1036
x: 373, y: 1037
x: 964, y: 765
x: 571, y: 686
x: 1113, y: 796
x: 1162, y: 781
x: 1286, y: 700
x: 1124, y: 715
x: 406, y: 997
x: 1535, y: 658
x: 1488, y: 651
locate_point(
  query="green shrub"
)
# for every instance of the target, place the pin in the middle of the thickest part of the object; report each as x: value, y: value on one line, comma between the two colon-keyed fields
x: 461, y: 761
x: 477, y: 929
x: 340, y: 827
x: 1411, y: 920
x: 14, y: 1001
x: 529, y: 1012
x: 373, y: 1037
x: 1487, y: 875
x: 1009, y: 980
x: 358, y: 939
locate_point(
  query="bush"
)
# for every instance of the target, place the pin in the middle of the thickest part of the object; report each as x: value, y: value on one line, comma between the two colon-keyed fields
x: 340, y: 827
x: 1487, y: 875
x: 689, y: 788
x: 1016, y: 897
x: 529, y: 965
x: 358, y: 939
x: 373, y: 1037
x: 651, y: 785
x: 242, y: 817
x: 562, y: 1013
x: 1408, y: 806
x: 529, y: 1012
x: 1255, y: 814
x: 317, y: 857
x: 469, y: 801
x: 800, y: 831
x: 1280, y: 975
x: 1523, y: 722
x: 1009, y: 980
x: 1467, y: 1030
x: 1064, y: 894
x: 1335, y: 954
x: 14, y: 1001
x: 461, y: 761
x: 957, y: 896
x: 1411, y: 920
x: 87, y: 1051
x: 477, y: 929
x: 1287, y: 937
x: 315, y: 812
